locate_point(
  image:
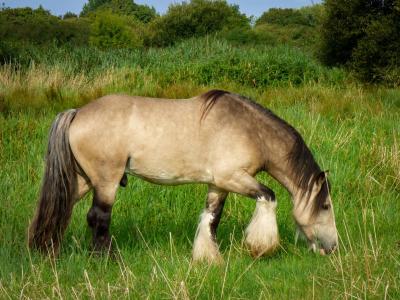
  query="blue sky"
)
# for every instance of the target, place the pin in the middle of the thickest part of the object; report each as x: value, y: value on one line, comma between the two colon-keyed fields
x: 250, y: 7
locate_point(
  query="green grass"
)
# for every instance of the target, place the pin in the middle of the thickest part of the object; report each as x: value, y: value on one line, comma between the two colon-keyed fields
x: 40, y: 76
x: 353, y: 131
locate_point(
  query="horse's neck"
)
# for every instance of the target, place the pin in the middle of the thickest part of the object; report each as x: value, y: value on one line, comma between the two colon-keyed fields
x: 285, y: 174
x: 283, y: 171
x: 286, y: 178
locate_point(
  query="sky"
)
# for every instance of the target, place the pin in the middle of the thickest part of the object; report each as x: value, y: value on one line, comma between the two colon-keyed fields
x: 249, y: 7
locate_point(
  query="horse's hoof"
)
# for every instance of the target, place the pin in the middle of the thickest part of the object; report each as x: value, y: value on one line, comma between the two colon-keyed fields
x: 103, y: 247
x: 206, y: 250
x: 211, y: 260
x: 258, y: 251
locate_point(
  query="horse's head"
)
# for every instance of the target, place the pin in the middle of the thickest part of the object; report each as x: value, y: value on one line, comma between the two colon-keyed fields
x: 313, y: 212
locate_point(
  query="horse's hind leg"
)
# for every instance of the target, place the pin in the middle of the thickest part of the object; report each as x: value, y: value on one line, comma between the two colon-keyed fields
x: 205, y: 246
x: 83, y: 187
x: 262, y: 233
x: 99, y: 215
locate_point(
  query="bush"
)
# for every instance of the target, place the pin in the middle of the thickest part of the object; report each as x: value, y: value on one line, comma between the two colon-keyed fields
x: 377, y: 55
x: 363, y: 35
x: 287, y: 16
x: 73, y: 31
x: 8, y: 53
x: 110, y: 30
x: 69, y: 15
x: 38, y: 26
x: 242, y: 36
x: 294, y: 27
x: 195, y: 19
x: 142, y: 13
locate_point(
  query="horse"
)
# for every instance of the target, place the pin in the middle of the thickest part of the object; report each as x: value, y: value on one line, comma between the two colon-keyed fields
x: 218, y: 138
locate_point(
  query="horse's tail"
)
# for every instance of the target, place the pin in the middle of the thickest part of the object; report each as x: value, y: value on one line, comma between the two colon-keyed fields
x: 58, y: 189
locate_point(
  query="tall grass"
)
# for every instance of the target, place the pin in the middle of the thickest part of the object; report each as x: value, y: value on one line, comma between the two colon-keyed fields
x: 352, y: 130
x: 42, y: 74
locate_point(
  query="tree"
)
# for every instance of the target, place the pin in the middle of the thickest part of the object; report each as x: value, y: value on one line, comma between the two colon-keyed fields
x: 363, y: 35
x: 92, y: 5
x: 294, y: 27
x: 142, y: 13
x: 195, y: 18
x: 286, y: 16
x: 110, y: 30
x: 38, y: 26
x: 69, y: 15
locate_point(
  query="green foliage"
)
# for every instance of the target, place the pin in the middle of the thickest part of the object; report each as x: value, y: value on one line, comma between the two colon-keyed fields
x: 289, y: 16
x: 92, y: 5
x: 39, y: 27
x: 199, y: 61
x: 298, y: 36
x: 142, y: 13
x: 7, y: 52
x: 293, y: 27
x: 73, y: 31
x: 377, y: 55
x: 243, y: 36
x: 36, y: 26
x: 69, y: 15
x: 110, y: 30
x: 364, y: 35
x: 194, y: 19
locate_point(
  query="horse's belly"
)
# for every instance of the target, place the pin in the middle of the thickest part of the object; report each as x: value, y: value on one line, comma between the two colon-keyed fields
x: 169, y: 174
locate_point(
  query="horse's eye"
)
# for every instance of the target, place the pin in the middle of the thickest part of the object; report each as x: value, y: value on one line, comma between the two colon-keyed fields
x: 326, y: 206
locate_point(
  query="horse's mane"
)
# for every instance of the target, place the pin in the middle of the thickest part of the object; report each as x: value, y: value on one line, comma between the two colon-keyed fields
x: 305, y: 169
x: 210, y: 98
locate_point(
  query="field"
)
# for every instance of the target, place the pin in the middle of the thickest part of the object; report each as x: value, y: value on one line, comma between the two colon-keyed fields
x: 353, y: 130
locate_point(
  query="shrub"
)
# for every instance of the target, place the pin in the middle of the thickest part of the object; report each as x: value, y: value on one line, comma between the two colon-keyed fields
x: 377, y: 55
x: 110, y: 30
x: 287, y: 16
x: 73, y: 31
x: 242, y: 36
x: 142, y: 13
x: 294, y: 27
x: 92, y: 5
x: 194, y: 19
x: 36, y: 26
x: 69, y: 15
x: 39, y: 27
x: 363, y: 35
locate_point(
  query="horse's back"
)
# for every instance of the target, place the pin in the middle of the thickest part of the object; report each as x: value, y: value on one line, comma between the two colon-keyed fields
x: 162, y: 140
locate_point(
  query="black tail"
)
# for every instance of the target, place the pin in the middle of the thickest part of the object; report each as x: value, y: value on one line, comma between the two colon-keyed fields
x: 58, y: 188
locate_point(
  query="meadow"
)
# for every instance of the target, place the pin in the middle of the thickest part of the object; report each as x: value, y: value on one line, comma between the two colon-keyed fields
x: 352, y: 129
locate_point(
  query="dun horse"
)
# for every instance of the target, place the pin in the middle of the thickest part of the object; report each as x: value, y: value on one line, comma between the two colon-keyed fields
x: 218, y: 138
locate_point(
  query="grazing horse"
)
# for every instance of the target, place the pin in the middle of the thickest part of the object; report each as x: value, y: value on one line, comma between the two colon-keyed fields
x: 218, y: 138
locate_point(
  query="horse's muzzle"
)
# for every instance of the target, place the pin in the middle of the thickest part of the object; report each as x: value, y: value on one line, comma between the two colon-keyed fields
x: 324, y: 251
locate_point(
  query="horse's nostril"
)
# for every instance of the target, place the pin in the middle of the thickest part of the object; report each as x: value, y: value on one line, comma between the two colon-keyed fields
x: 332, y: 249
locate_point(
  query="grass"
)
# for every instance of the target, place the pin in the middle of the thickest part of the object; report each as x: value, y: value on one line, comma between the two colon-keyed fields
x: 40, y: 77
x: 352, y: 130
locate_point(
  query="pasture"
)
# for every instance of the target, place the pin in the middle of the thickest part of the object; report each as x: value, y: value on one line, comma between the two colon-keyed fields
x: 353, y: 131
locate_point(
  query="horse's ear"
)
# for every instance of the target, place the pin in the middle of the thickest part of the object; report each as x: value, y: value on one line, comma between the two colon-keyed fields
x: 319, y: 181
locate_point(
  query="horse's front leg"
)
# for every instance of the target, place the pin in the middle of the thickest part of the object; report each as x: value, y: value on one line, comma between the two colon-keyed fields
x: 205, y: 247
x: 262, y: 235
